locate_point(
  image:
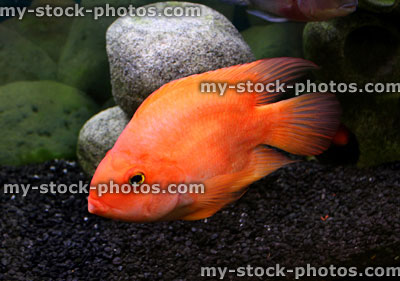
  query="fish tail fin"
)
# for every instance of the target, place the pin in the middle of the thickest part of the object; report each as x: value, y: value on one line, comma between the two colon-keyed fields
x: 303, y: 125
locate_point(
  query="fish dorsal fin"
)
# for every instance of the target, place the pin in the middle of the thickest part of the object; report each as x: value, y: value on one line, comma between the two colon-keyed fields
x: 267, y: 16
x: 286, y: 70
x: 264, y: 71
x: 224, y: 189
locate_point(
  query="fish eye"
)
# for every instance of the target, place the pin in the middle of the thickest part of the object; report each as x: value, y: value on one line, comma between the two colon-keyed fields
x: 137, y: 179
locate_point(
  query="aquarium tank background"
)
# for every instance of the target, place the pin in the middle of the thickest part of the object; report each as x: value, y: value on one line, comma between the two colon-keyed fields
x: 70, y: 85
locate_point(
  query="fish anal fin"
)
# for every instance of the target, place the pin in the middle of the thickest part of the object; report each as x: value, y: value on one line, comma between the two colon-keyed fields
x: 224, y: 189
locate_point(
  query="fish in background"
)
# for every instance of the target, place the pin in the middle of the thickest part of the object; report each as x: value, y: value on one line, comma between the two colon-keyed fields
x: 181, y: 135
x: 344, y: 149
x: 298, y: 10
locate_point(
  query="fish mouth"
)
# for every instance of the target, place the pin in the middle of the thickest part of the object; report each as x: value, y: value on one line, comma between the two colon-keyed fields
x: 97, y: 207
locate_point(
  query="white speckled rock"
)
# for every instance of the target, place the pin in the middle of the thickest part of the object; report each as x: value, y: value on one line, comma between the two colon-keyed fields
x: 147, y: 52
x: 98, y: 136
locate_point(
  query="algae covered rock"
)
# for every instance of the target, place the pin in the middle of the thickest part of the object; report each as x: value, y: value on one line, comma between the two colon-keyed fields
x: 379, y: 6
x: 83, y: 62
x: 360, y: 48
x: 275, y: 40
x: 48, y: 33
x: 20, y: 59
x: 98, y: 135
x: 147, y: 52
x: 40, y: 121
x: 375, y: 120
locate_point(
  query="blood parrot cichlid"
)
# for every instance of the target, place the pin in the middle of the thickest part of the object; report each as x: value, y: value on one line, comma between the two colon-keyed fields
x: 182, y: 135
x: 298, y: 10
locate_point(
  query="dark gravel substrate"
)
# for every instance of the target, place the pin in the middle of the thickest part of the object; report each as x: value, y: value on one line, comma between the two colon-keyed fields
x: 304, y: 213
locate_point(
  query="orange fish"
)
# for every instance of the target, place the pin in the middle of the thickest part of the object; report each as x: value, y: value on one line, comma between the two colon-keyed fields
x: 181, y: 135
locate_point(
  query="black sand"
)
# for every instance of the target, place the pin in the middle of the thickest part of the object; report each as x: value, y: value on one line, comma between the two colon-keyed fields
x: 304, y: 213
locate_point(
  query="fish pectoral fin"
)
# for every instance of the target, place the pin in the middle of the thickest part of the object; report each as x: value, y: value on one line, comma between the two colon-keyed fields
x: 267, y: 16
x: 266, y: 160
x: 224, y: 189
x: 219, y: 191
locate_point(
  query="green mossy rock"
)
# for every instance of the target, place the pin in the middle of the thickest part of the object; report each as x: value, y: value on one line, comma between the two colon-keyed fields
x: 360, y: 48
x: 48, y: 33
x: 20, y: 59
x: 275, y: 40
x: 379, y: 6
x: 83, y: 63
x: 40, y: 121
x: 375, y: 120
